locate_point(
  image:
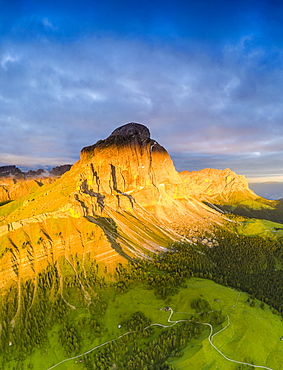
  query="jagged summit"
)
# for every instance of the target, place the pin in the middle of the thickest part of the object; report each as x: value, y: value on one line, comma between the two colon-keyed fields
x: 11, y: 171
x: 131, y: 134
x: 132, y: 129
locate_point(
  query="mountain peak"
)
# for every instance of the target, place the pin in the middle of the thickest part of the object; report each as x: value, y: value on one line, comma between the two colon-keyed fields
x: 130, y: 134
x: 132, y: 129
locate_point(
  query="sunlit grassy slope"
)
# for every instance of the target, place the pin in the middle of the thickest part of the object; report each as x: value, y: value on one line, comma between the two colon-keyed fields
x: 254, y: 333
x: 48, y: 198
x: 260, y: 227
x: 259, y: 208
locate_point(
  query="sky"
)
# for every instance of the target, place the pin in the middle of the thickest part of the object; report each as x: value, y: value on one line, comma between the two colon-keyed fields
x: 206, y: 78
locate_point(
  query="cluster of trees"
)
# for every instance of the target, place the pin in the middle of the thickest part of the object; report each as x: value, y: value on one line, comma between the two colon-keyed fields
x: 141, y: 351
x: 206, y: 313
x: 69, y: 339
x: 249, y: 263
x: 252, y: 264
x: 24, y: 326
x: 137, y: 322
x: 26, y: 323
x: 30, y: 308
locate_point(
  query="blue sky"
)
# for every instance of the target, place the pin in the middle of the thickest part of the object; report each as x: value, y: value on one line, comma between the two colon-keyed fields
x: 204, y: 76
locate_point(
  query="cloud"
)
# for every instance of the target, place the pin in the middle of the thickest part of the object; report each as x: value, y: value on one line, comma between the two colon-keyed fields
x: 57, y: 97
x: 48, y: 25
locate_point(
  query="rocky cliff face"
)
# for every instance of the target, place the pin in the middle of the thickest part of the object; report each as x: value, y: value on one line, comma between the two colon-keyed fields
x: 11, y: 189
x: 11, y: 171
x: 15, y: 184
x: 217, y: 186
x: 128, y: 162
x: 122, y: 199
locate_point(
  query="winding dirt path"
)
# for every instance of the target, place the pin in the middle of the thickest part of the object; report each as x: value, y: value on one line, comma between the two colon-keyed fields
x: 210, y: 338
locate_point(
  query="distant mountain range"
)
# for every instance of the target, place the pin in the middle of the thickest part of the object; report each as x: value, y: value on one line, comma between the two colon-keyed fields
x: 268, y: 190
x: 15, y: 183
x: 16, y: 173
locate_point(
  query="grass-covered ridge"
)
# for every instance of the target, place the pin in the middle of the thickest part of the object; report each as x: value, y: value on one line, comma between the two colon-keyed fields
x: 258, y: 208
x: 264, y: 228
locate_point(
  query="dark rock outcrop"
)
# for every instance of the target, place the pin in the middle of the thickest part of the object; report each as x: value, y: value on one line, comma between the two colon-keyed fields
x: 60, y: 170
x: 36, y: 174
x: 132, y: 134
x: 11, y: 171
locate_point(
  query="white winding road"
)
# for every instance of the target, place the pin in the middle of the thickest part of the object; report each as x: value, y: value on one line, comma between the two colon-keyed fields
x: 210, y: 339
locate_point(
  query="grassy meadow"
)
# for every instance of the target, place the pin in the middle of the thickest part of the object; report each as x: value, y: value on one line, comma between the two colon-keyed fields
x: 253, y: 335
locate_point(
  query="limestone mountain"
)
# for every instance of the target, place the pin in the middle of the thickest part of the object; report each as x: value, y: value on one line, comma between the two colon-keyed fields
x: 217, y: 186
x: 122, y: 199
x: 14, y: 183
x: 11, y: 189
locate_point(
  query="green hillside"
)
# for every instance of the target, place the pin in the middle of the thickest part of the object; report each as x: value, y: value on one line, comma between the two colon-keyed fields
x: 253, y: 335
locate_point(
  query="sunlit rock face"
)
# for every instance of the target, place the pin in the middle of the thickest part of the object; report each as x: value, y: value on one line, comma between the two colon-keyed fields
x: 132, y: 157
x: 15, y: 184
x: 130, y: 164
x: 122, y: 199
x: 221, y: 186
x: 11, y: 189
x: 129, y: 161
